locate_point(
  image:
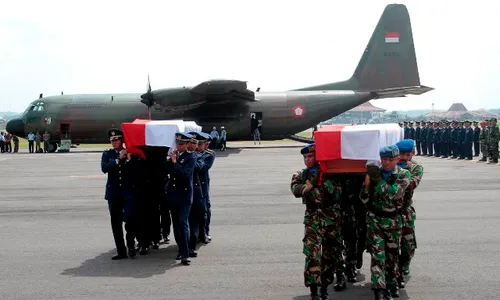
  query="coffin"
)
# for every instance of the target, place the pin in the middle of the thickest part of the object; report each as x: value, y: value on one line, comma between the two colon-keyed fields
x: 348, y: 149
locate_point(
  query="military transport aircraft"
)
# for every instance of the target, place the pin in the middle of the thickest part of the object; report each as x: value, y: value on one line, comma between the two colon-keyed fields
x: 388, y: 68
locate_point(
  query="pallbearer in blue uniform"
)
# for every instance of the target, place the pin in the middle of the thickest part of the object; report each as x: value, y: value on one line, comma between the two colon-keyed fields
x: 208, y: 160
x: 120, y: 193
x: 179, y: 193
x: 198, y: 206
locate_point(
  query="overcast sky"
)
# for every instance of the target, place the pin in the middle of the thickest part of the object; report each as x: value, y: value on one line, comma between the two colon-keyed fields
x: 108, y: 46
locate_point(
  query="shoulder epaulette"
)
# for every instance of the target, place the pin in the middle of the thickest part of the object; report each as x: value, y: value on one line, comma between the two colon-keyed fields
x: 210, y: 151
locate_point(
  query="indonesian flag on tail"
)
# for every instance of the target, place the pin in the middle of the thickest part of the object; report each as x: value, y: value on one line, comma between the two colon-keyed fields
x: 358, y: 142
x: 392, y: 37
x: 154, y: 133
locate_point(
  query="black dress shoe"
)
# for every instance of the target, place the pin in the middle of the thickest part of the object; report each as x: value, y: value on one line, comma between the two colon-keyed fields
x: 119, y: 256
x: 387, y: 295
x: 144, y: 250
x: 209, y: 238
x: 131, y: 252
x: 185, y: 261
x: 156, y: 246
x: 178, y: 257
x: 406, y: 272
x: 193, y: 253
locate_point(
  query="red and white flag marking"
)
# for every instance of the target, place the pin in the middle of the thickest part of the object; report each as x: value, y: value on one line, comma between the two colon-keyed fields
x: 358, y: 142
x: 392, y: 37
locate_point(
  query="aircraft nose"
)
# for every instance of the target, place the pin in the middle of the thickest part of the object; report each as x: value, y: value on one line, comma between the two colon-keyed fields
x: 15, y: 127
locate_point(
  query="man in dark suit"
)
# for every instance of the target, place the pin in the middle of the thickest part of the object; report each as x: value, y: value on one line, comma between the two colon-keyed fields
x: 120, y: 193
x: 179, y: 193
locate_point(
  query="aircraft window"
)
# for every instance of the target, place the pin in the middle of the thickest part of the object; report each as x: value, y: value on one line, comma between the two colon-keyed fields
x: 32, y: 107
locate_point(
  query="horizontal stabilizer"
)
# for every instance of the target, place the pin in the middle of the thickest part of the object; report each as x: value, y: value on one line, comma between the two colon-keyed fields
x: 301, y: 139
x: 401, y: 92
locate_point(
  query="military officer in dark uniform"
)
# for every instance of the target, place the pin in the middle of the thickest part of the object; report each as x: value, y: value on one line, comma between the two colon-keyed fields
x: 454, y: 139
x: 406, y: 129
x: 461, y: 139
x: 418, y: 138
x: 120, y: 193
x: 430, y: 139
x: 179, y: 193
x: 198, y: 206
x: 477, y: 132
x: 445, y: 139
x: 468, y: 140
x: 437, y: 139
x: 411, y: 131
x: 423, y: 138
x: 208, y: 160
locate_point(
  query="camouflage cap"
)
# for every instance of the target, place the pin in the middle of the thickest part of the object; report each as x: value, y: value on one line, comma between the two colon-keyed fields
x: 493, y: 119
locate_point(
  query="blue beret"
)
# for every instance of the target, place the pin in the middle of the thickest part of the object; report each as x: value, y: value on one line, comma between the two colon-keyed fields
x: 405, y: 145
x: 308, y: 149
x: 389, y: 151
x: 183, y: 137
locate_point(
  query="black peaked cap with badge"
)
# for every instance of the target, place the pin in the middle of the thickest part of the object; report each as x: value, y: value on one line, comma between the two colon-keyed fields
x: 115, y: 133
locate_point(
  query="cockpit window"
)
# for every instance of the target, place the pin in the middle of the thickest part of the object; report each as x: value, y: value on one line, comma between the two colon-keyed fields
x: 38, y: 106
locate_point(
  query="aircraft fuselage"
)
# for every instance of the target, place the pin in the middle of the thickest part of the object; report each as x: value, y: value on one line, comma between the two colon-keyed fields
x: 90, y: 116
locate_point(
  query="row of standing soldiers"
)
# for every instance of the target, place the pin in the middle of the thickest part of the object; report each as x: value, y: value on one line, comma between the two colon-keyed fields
x: 455, y: 139
x: 347, y: 214
x: 149, y: 195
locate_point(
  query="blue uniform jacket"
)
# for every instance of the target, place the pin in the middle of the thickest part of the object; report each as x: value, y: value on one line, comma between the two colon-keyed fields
x: 461, y: 135
x: 120, y: 183
x: 208, y: 158
x: 468, y: 135
x: 180, y: 185
x: 198, y: 167
x: 418, y: 134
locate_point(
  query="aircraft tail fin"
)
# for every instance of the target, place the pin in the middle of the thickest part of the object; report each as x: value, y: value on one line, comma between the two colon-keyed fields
x: 389, y: 61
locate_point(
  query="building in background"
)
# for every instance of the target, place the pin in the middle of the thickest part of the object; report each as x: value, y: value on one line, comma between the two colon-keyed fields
x: 459, y: 112
x: 364, y: 113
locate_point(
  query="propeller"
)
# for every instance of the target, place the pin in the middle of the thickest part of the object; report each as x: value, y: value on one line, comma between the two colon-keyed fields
x: 148, y: 98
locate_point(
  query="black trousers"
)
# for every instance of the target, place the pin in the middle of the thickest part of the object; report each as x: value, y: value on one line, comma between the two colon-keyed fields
x: 418, y: 144
x: 31, y: 146
x: 117, y: 212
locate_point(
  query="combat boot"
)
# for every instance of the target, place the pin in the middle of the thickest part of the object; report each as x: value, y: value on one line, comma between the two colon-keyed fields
x: 314, y: 292
x: 359, y: 258
x: 401, y: 282
x: 324, y: 292
x: 379, y: 294
x: 387, y: 295
x: 340, y: 284
x: 350, y: 273
x: 392, y: 290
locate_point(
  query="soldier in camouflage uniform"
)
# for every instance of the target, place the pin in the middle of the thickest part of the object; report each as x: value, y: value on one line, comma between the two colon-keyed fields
x: 383, y: 193
x: 483, y: 140
x: 407, y: 212
x: 323, y: 245
x: 350, y: 232
x: 493, y: 139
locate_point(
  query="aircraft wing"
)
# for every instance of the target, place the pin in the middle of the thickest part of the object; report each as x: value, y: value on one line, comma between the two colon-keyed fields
x: 220, y: 91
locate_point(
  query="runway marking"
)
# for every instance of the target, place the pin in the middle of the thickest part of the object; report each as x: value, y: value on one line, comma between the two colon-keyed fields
x: 5, y: 158
x: 88, y: 176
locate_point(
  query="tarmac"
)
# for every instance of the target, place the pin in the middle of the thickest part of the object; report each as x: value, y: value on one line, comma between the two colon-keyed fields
x: 57, y: 240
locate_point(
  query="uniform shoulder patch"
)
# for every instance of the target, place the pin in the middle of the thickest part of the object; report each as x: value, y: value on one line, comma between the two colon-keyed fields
x: 210, y: 151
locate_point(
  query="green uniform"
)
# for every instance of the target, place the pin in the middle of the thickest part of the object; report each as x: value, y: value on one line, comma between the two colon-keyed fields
x: 493, y: 139
x: 384, y: 223
x: 408, y: 217
x: 323, y: 245
x: 483, y: 142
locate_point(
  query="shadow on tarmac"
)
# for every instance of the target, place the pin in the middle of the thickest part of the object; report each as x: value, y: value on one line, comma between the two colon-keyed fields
x: 142, y: 266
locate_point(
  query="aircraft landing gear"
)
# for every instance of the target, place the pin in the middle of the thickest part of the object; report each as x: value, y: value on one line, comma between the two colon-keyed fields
x: 52, y: 147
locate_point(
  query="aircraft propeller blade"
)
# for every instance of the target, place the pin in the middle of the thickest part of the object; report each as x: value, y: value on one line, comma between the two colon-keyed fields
x: 148, y: 98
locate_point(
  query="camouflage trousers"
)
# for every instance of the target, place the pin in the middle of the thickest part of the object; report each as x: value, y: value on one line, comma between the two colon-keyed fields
x: 383, y: 238
x: 493, y: 150
x: 484, y: 149
x: 408, y: 240
x: 323, y: 246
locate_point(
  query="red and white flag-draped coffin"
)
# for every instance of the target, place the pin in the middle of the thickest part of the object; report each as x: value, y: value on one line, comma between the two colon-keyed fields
x: 155, y: 133
x: 346, y: 145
